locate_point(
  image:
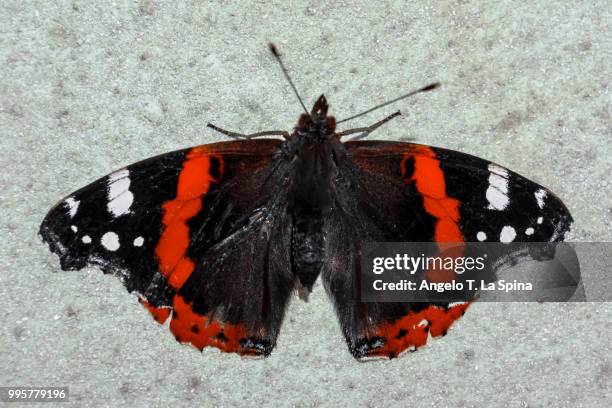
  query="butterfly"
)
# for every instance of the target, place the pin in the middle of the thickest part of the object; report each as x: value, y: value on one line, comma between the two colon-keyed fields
x: 216, y: 239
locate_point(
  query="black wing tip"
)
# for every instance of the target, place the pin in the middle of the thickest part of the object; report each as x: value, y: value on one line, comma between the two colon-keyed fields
x: 158, y: 292
x: 47, y: 236
x: 560, y: 218
x: 563, y: 227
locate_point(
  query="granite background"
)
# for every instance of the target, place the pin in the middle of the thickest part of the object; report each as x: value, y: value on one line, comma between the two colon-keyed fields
x: 88, y: 87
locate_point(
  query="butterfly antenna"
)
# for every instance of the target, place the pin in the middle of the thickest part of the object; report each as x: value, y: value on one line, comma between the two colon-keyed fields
x: 427, y: 88
x: 280, y: 61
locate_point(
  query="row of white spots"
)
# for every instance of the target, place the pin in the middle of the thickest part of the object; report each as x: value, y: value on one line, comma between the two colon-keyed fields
x: 109, y: 240
x: 120, y: 198
x: 507, y: 234
x: 497, y: 196
x: 73, y: 206
x: 497, y: 193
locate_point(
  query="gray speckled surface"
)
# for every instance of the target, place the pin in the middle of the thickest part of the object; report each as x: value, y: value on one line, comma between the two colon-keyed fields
x: 85, y: 89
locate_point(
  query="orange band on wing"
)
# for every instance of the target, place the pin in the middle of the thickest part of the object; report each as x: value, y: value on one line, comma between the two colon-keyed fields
x: 191, y: 327
x: 412, y: 330
x: 194, y: 181
x: 188, y: 326
x: 430, y: 183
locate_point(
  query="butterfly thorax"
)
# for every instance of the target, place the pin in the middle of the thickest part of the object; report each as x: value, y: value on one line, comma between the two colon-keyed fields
x: 316, y: 127
x: 312, y: 146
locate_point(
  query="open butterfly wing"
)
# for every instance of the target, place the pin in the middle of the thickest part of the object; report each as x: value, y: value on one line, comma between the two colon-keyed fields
x: 197, y: 233
x: 392, y: 191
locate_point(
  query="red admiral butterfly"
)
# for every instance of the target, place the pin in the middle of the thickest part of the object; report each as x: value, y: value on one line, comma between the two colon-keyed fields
x: 217, y: 237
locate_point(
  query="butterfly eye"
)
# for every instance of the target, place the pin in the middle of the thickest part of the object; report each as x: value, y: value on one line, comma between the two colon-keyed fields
x: 331, y: 124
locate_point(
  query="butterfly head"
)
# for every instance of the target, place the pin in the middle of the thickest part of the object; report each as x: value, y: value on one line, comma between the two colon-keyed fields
x: 317, y: 126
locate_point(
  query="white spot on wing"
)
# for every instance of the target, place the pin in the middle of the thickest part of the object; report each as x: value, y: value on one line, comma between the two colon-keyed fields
x: 481, y: 236
x: 497, y: 193
x: 540, y: 220
x: 121, y: 204
x: 73, y: 206
x: 529, y: 231
x: 507, y: 234
x: 120, y: 198
x: 540, y: 195
x: 110, y: 241
x: 74, y: 228
x: 86, y: 239
x: 138, y: 241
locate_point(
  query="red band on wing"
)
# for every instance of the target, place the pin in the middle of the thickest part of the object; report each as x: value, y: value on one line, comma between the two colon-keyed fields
x: 411, y: 331
x: 194, y: 182
x: 188, y: 326
x: 430, y: 183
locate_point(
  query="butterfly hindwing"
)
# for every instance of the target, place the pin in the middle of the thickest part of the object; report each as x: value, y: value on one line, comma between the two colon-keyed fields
x: 392, y: 191
x: 191, y: 232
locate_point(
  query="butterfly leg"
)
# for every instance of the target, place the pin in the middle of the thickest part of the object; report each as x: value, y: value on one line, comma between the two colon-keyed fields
x: 365, y: 131
x: 235, y: 135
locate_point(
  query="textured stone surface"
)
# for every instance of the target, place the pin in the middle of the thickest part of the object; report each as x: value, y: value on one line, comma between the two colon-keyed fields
x: 85, y: 89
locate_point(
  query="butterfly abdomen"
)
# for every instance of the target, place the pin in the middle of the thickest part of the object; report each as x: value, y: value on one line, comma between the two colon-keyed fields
x: 307, y: 248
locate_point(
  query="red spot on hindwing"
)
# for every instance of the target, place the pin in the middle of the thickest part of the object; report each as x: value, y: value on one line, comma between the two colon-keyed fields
x: 190, y: 327
x: 160, y: 314
x: 412, y: 330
